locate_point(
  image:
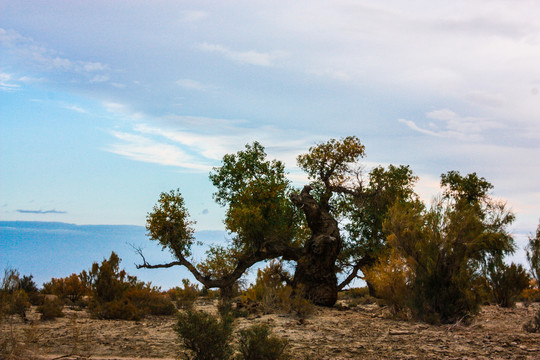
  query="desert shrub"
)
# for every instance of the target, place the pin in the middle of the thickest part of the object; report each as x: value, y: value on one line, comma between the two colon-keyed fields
x: 448, y: 246
x: 391, y: 279
x: 206, y: 336
x: 149, y: 300
x: 69, y: 288
x: 121, y: 309
x: 354, y: 293
x: 185, y: 297
x: 258, y: 343
x: 271, y: 294
x: 532, y: 293
x: 533, y: 326
x: 51, y: 309
x: 117, y: 295
x: 269, y: 288
x: 507, y: 282
x: 13, y: 300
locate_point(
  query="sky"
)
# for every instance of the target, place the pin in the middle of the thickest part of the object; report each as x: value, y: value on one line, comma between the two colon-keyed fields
x: 105, y: 104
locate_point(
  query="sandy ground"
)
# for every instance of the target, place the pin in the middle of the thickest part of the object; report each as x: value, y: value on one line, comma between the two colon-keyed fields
x: 363, y: 332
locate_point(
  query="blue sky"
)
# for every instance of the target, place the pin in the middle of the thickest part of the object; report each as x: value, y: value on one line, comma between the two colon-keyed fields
x: 105, y: 104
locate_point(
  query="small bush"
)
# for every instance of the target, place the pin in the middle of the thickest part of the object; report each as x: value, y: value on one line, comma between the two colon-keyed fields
x: 121, y: 309
x: 205, y: 335
x: 51, y: 309
x: 354, y: 293
x: 533, y: 326
x: 258, y: 343
x: 391, y: 278
x: 150, y: 301
x: 507, y: 283
x: 185, y: 297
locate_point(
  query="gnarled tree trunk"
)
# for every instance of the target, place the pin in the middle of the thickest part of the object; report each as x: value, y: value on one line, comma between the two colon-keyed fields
x: 316, y: 270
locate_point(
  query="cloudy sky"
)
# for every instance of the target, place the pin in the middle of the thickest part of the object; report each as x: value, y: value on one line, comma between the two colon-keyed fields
x: 105, y: 104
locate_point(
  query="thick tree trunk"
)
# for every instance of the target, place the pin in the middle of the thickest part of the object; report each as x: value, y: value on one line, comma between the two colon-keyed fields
x: 315, y: 274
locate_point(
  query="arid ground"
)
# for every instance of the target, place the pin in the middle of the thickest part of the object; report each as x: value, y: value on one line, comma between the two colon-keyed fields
x: 362, y: 332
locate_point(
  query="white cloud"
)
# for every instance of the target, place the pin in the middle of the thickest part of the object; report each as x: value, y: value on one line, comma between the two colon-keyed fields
x: 140, y: 148
x: 250, y: 57
x: 6, y: 82
x: 455, y: 126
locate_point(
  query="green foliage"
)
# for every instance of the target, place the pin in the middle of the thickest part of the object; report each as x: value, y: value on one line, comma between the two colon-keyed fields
x: 533, y: 255
x: 206, y: 336
x: 448, y: 246
x: 258, y: 343
x: 255, y: 192
x: 51, y: 309
x: 368, y: 211
x: 169, y: 224
x: 507, y: 282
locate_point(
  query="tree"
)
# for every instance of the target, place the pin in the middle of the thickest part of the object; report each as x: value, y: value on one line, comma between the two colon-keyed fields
x: 533, y: 255
x: 449, y: 245
x: 268, y: 219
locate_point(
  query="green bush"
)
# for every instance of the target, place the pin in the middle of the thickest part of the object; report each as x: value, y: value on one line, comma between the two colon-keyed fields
x: 507, y: 283
x: 51, y: 309
x: 258, y: 343
x: 206, y: 336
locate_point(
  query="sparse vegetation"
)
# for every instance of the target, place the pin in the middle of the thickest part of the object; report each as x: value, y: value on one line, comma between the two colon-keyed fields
x: 206, y: 336
x: 117, y: 295
x: 258, y: 343
x: 51, y: 309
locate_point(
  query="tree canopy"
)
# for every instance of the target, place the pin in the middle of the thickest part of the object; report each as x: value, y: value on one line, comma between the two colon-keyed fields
x: 336, y: 224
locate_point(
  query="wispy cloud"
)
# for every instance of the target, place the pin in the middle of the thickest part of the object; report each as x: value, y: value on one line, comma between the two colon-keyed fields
x: 6, y: 82
x: 42, y: 57
x: 141, y: 148
x: 251, y: 57
x: 41, y: 212
x: 451, y: 125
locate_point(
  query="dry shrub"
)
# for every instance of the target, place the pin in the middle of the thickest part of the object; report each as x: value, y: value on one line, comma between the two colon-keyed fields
x: 270, y: 293
x: 150, y: 301
x: 121, y: 309
x: 206, y: 336
x: 257, y: 342
x: 51, y: 309
x: 185, y: 297
x: 391, y: 277
x: 354, y: 293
